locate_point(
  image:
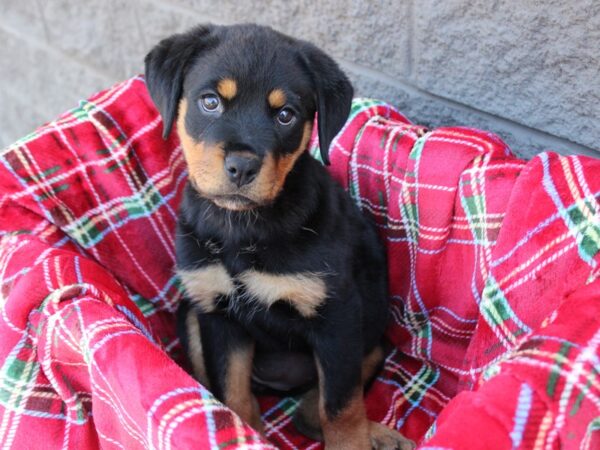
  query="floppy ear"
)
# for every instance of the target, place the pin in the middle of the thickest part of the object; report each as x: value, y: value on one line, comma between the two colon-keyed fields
x: 166, y: 67
x: 334, y: 95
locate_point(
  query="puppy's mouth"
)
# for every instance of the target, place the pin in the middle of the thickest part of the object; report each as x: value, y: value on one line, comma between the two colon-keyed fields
x: 234, y: 202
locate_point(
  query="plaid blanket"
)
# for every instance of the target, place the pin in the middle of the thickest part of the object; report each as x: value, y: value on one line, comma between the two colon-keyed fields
x: 494, y: 287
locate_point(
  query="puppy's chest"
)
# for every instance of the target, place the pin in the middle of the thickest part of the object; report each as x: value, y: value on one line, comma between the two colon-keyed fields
x: 244, y: 283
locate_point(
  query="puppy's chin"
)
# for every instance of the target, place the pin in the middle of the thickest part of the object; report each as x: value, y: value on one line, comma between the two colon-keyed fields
x: 234, y: 202
x: 231, y: 199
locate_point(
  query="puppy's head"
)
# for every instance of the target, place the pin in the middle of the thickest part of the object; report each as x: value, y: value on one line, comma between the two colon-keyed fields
x: 244, y: 98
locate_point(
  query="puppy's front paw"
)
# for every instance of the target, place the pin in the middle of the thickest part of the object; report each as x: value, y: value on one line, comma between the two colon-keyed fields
x: 383, y: 438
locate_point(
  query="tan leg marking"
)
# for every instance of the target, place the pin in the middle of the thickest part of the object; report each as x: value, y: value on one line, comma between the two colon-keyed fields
x: 306, y: 417
x: 381, y: 437
x: 238, y: 395
x: 227, y: 88
x: 304, y: 291
x: 196, y: 354
x: 203, y: 285
x: 277, y: 98
x: 349, y: 429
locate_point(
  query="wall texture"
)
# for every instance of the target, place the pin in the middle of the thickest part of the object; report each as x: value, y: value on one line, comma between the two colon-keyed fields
x: 528, y: 70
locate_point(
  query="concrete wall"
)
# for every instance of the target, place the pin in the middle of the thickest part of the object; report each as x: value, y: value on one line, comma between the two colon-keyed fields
x: 527, y: 70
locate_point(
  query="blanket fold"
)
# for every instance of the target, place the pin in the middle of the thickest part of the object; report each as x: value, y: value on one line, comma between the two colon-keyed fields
x: 549, y: 380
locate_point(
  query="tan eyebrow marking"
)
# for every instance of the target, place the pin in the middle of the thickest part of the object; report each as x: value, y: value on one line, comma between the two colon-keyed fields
x: 227, y: 88
x: 277, y: 98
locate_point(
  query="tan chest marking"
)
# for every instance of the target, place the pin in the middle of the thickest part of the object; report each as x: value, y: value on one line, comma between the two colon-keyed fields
x: 203, y: 285
x: 305, y: 291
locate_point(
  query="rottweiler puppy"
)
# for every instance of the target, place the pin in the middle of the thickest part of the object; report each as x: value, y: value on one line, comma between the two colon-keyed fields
x: 284, y: 279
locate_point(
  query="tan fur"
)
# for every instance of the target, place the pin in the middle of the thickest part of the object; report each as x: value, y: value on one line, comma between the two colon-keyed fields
x: 232, y: 205
x: 196, y: 354
x: 305, y: 291
x: 274, y: 171
x: 349, y: 429
x: 227, y: 88
x: 277, y: 98
x: 238, y: 395
x: 205, y: 284
x: 205, y: 163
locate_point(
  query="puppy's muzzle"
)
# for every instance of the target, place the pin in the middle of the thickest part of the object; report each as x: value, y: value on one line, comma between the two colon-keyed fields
x: 241, y: 169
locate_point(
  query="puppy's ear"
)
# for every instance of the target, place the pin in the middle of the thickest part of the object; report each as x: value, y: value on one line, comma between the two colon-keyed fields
x: 166, y: 67
x: 334, y: 95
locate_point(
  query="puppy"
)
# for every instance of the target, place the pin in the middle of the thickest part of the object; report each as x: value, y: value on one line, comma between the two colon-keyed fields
x: 285, y: 280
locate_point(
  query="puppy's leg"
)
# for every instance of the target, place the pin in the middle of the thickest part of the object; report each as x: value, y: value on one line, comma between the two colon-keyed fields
x: 341, y: 407
x: 188, y: 329
x: 228, y: 352
x: 306, y: 417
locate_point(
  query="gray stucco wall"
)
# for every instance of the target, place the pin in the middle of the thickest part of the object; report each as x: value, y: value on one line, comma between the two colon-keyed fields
x: 526, y: 70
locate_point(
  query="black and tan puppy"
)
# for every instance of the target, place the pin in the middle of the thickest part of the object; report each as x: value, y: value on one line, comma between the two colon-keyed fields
x: 285, y: 280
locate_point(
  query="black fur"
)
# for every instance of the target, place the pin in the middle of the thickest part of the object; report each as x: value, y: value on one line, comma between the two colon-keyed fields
x: 312, y: 225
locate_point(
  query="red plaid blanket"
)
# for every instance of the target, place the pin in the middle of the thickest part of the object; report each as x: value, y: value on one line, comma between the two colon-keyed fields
x: 494, y: 287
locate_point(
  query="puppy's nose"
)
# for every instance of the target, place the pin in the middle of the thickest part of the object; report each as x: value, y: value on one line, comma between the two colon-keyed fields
x: 241, y: 169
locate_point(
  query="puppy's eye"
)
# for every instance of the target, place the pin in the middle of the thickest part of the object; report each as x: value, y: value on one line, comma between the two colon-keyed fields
x: 285, y: 116
x: 210, y: 102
